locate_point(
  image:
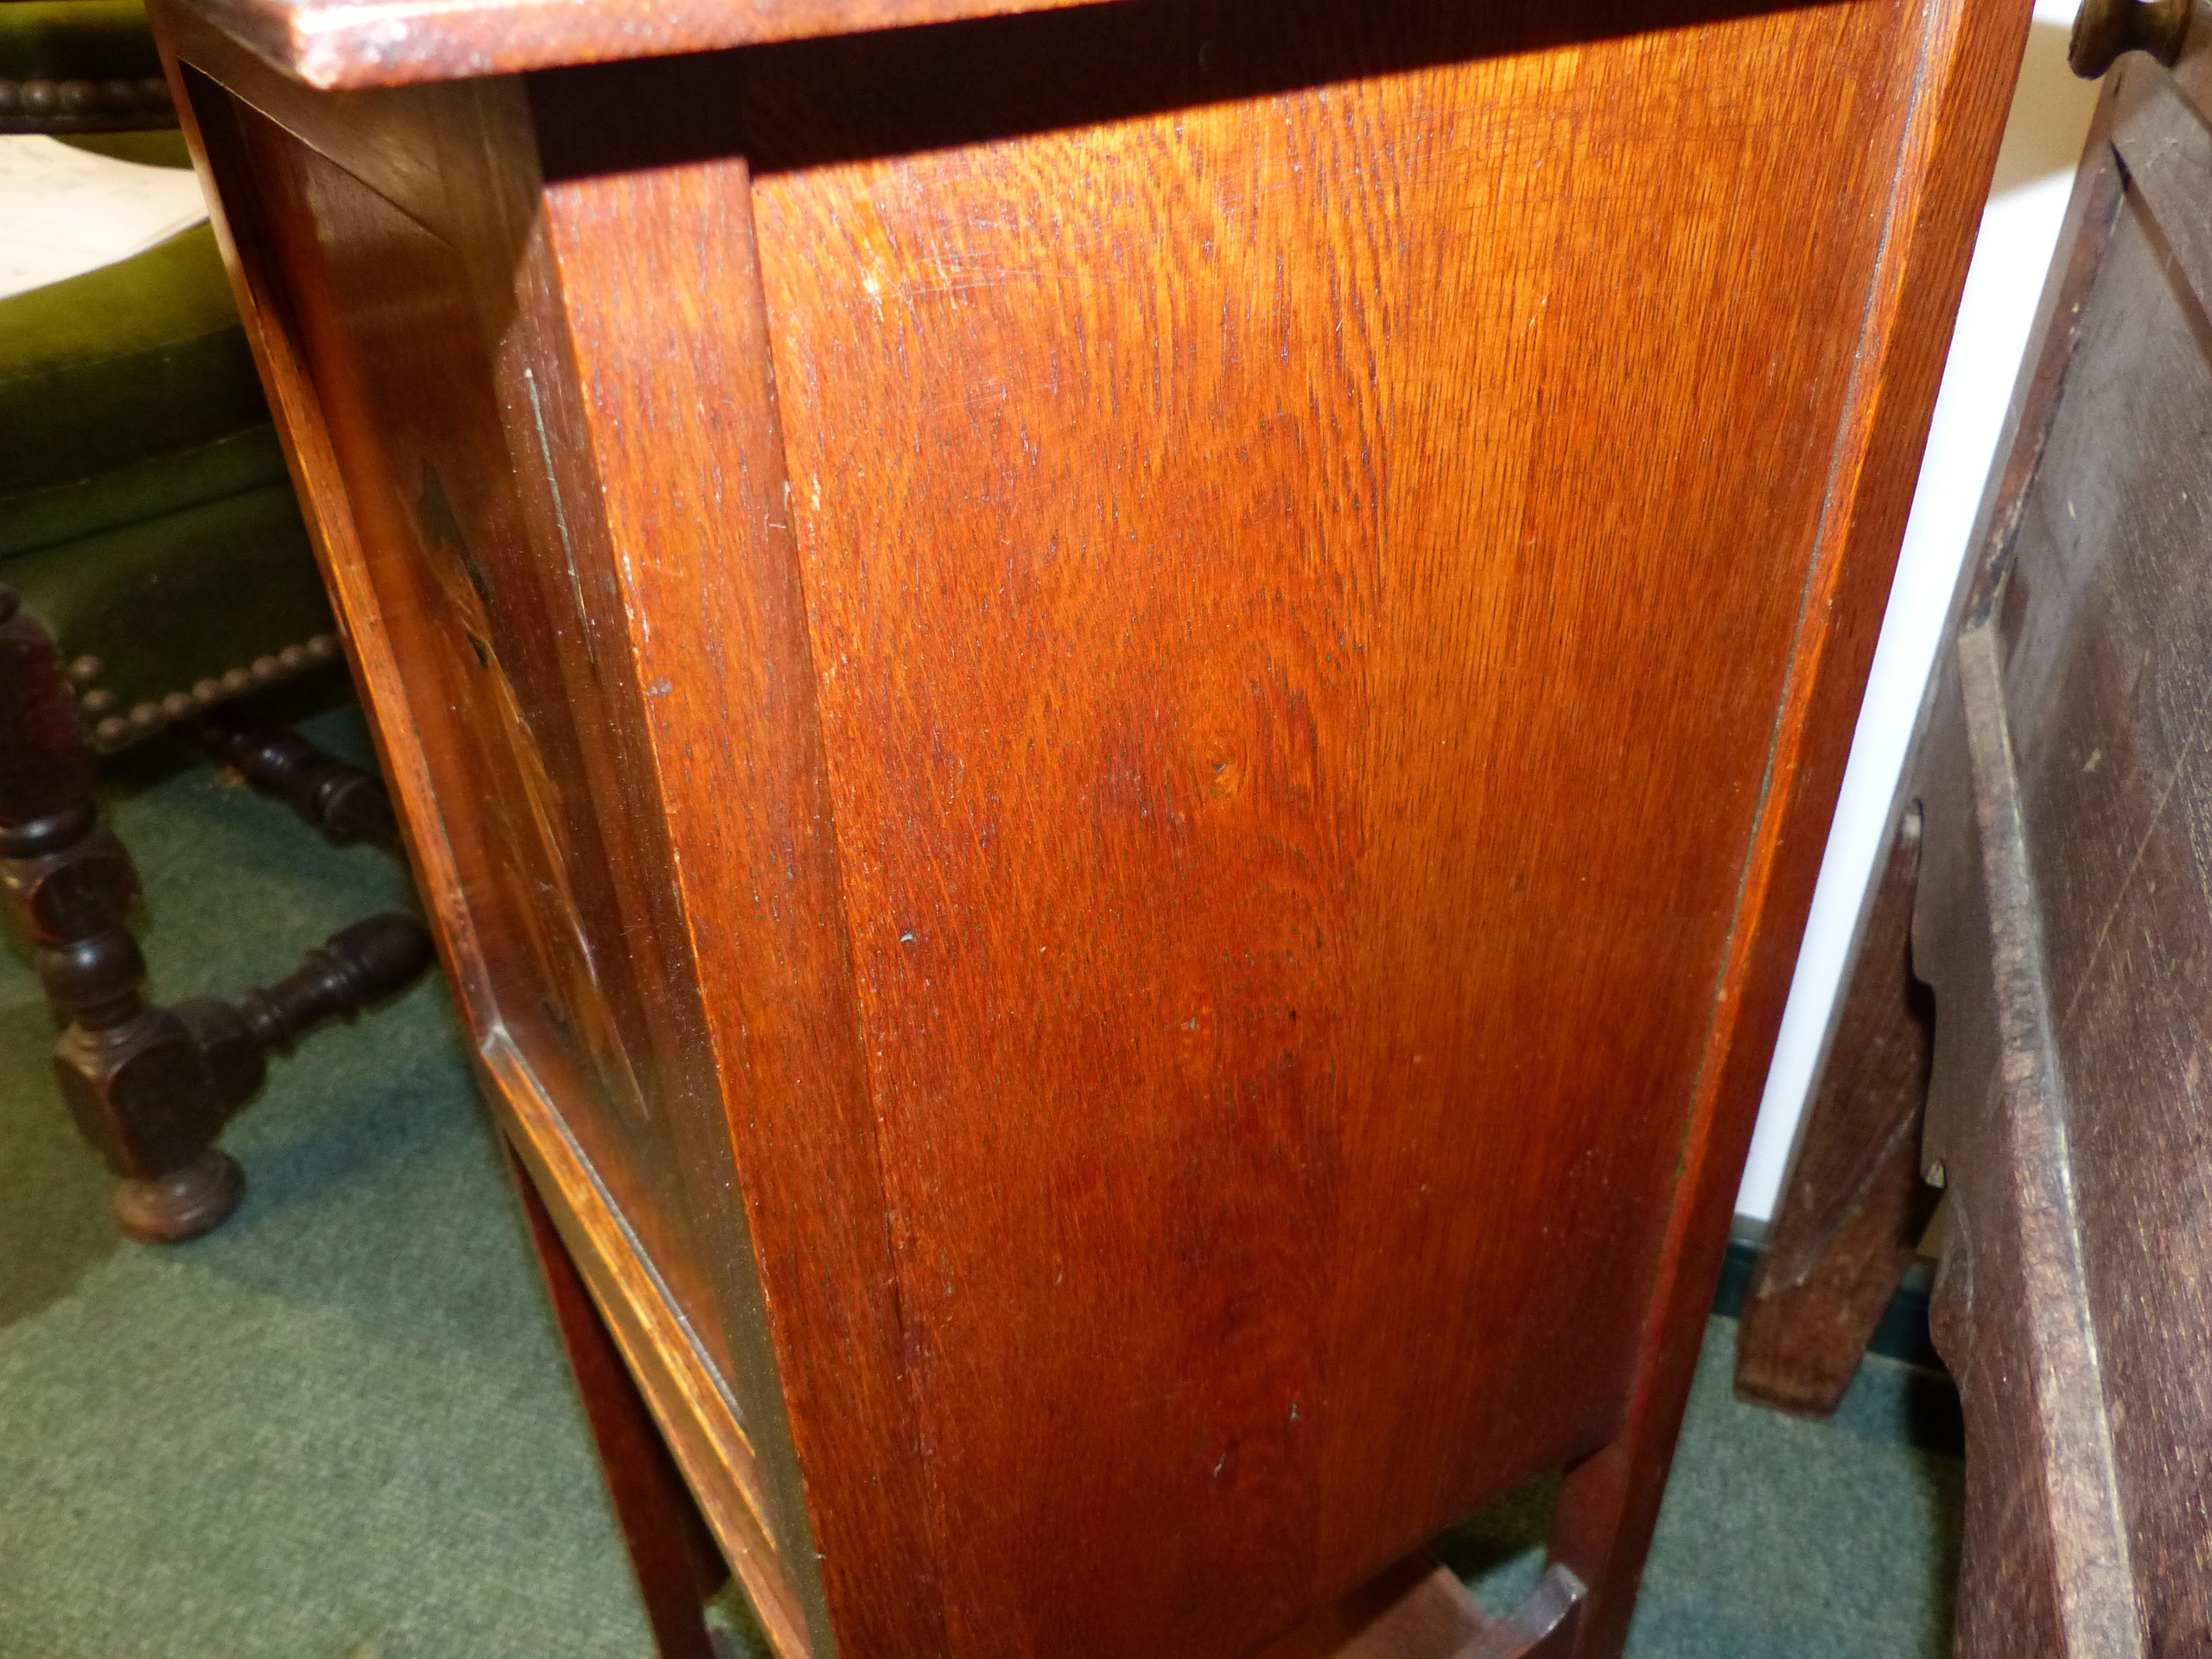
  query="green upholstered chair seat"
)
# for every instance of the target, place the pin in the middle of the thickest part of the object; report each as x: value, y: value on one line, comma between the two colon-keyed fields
x: 179, y: 610
x: 137, y: 359
x: 145, y: 514
x: 251, y: 458
x: 153, y: 565
x: 76, y: 39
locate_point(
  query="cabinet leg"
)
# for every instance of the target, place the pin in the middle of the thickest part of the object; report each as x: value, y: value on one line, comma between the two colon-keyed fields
x: 1609, y: 1502
x: 674, y: 1555
x: 1854, y: 1208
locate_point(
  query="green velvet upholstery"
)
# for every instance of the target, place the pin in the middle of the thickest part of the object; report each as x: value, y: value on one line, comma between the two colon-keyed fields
x: 191, y: 596
x: 163, y: 146
x: 145, y: 514
x: 133, y: 360
x: 76, y: 40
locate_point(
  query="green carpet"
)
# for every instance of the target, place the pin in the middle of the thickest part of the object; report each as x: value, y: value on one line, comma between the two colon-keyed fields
x: 341, y: 1427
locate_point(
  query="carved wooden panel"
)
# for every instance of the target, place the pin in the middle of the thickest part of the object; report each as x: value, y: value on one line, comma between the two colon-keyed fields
x: 385, y: 314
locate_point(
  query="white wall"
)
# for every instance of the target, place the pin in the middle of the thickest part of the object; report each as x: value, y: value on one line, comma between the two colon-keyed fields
x: 2019, y: 228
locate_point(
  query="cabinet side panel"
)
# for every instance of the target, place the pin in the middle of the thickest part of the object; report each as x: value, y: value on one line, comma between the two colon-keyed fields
x: 1306, y: 522
x: 1962, y: 58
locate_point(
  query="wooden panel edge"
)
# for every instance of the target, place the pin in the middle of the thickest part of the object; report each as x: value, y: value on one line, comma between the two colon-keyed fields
x: 495, y: 178
x: 406, y: 42
x: 329, y: 122
x: 689, y: 1401
x: 772, y: 951
x: 1947, y: 153
x: 2091, y: 210
x: 2013, y: 1312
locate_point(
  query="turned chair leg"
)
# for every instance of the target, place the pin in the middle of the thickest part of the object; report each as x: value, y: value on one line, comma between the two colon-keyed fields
x: 340, y: 801
x: 150, y: 1087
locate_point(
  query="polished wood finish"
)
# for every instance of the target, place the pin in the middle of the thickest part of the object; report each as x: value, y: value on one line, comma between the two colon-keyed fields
x: 693, y: 1364
x: 2061, y: 920
x: 1833, y: 1243
x: 1119, y: 719
x: 1609, y: 1503
x: 355, y: 43
x: 688, y: 1395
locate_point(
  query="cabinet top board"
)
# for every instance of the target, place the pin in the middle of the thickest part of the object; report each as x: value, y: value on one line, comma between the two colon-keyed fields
x: 351, y: 44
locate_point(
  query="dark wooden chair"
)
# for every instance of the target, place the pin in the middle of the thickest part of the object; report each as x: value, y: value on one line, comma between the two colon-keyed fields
x: 154, y: 569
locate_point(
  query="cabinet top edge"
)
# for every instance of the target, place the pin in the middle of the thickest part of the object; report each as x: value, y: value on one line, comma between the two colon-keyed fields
x: 344, y: 44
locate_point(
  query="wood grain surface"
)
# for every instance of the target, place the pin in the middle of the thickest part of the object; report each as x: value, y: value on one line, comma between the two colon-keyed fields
x: 1129, y: 710
x: 688, y: 1399
x: 1273, y: 831
x: 2045, y: 1564
x: 357, y: 43
x: 671, y: 1549
x: 1830, y: 1214
x: 649, y: 218
x: 430, y: 478
x: 2130, y: 947
x: 1142, y: 593
x: 1609, y: 1504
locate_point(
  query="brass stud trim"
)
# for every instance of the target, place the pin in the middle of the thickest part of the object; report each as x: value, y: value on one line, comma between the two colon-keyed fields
x: 37, y: 105
x: 112, y: 732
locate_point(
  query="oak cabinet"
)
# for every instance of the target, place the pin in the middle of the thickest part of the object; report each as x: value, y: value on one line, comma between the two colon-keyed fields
x: 1118, y: 719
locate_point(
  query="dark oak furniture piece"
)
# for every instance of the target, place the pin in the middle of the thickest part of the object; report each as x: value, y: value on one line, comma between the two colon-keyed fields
x: 153, y: 569
x: 2025, y: 1021
x: 1119, y: 719
x: 152, y: 1085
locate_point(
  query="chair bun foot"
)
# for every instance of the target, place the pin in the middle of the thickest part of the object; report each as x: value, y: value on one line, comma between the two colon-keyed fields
x: 182, y: 1205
